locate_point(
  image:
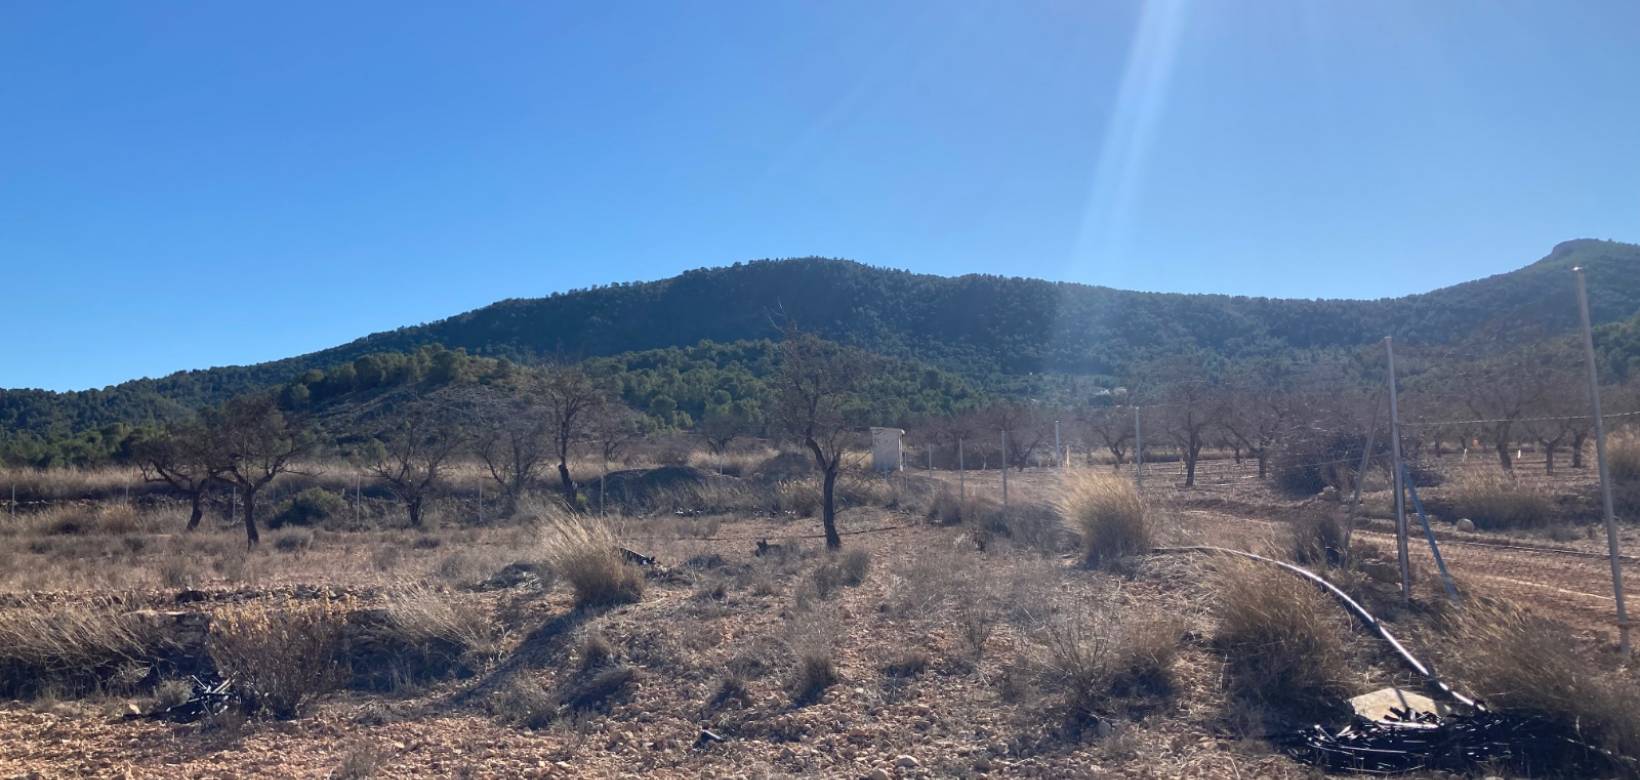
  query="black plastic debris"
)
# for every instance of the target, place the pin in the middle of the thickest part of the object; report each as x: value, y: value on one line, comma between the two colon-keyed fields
x: 209, y: 699
x: 1455, y: 743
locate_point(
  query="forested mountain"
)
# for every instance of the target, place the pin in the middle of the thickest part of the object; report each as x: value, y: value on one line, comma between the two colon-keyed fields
x: 989, y: 331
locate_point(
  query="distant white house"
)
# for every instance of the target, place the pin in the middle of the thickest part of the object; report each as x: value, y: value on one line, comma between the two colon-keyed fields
x: 886, y: 452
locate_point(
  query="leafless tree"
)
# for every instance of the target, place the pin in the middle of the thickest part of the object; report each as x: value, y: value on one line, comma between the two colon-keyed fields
x: 1256, y: 415
x: 1110, y: 428
x: 1027, y: 426
x: 258, y: 442
x: 571, y: 400
x: 612, y: 427
x: 511, y: 440
x: 411, y: 456
x: 817, y: 405
x: 184, y: 458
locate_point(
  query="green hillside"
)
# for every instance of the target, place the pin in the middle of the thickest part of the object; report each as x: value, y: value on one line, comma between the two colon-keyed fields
x: 993, y: 332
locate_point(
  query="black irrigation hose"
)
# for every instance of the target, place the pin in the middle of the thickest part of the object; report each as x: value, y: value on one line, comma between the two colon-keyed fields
x: 1354, y: 607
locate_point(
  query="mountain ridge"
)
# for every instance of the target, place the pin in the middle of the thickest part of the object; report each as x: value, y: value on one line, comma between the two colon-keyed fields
x: 982, y: 326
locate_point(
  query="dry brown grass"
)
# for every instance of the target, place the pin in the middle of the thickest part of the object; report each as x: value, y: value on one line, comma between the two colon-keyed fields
x: 281, y: 655
x: 1109, y: 514
x: 1517, y: 662
x: 1092, y: 662
x: 1318, y: 540
x: 1623, y: 458
x: 1496, y: 500
x: 582, y: 551
x: 1284, y: 643
x: 71, y: 648
x: 812, y: 637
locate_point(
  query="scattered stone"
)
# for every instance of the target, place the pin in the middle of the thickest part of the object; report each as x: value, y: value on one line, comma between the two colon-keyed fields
x: 879, y: 774
x: 1394, y: 705
x: 1466, y: 525
x: 907, y: 762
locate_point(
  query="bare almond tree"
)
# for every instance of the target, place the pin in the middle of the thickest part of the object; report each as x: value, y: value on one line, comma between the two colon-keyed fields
x: 571, y: 400
x: 1110, y: 428
x: 258, y: 442
x: 411, y: 456
x: 817, y: 405
x: 184, y: 458
x: 511, y: 439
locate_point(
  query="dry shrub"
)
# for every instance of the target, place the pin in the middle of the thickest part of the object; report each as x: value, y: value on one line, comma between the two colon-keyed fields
x: 71, y: 648
x: 593, y: 690
x: 584, y: 553
x: 523, y: 702
x: 1519, y: 663
x: 840, y: 570
x: 108, y: 519
x: 281, y: 655
x: 1623, y: 458
x: 361, y: 761
x: 800, y: 497
x: 1093, y: 663
x: 420, y: 634
x: 811, y: 638
x: 1282, y: 640
x: 1497, y: 500
x: 1109, y: 514
x: 1318, y: 540
x: 293, y: 540
x: 906, y: 664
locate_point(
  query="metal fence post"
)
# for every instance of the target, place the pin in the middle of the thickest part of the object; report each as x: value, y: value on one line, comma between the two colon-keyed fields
x: 1400, y: 485
x: 1600, y: 457
x: 1138, y: 451
x: 1004, y: 468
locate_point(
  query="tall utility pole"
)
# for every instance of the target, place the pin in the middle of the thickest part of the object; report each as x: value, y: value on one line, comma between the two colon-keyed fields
x: 1400, y: 487
x: 1600, y: 456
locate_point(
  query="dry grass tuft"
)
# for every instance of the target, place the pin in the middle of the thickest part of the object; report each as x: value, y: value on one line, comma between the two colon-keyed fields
x: 840, y: 570
x: 583, y: 552
x: 281, y: 655
x: 1623, y: 458
x: 1496, y: 500
x: 69, y: 648
x: 1109, y: 514
x: 812, y: 641
x: 1282, y: 640
x: 1318, y: 540
x: 1514, y: 661
x: 799, y: 497
x: 1093, y: 662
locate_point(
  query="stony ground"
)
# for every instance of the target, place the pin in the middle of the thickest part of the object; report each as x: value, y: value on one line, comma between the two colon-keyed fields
x: 714, y: 610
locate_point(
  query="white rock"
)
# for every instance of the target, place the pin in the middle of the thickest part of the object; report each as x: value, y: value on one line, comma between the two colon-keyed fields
x: 1466, y: 525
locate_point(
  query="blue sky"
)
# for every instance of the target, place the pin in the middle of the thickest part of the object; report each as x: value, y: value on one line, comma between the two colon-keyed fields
x: 193, y: 184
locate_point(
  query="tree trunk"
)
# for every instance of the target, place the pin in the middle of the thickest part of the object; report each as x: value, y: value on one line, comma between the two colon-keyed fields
x: 569, y: 484
x: 1236, y: 453
x: 1263, y: 462
x: 198, y: 509
x: 252, y: 538
x: 1549, y: 458
x: 1190, y: 455
x: 1504, y: 460
x: 414, y: 507
x: 828, y: 509
x: 1577, y: 449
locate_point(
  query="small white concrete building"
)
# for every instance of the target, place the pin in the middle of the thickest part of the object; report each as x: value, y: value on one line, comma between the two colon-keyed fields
x: 886, y: 452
